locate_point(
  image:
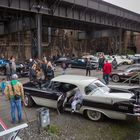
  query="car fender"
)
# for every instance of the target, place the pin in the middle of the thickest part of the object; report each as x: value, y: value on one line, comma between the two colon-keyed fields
x: 95, y: 109
x: 108, y: 113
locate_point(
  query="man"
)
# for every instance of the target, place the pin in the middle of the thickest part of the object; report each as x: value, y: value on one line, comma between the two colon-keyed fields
x: 88, y: 67
x: 15, y: 94
x: 78, y: 98
x: 10, y: 68
x: 114, y: 63
x: 12, y: 65
x: 106, y: 71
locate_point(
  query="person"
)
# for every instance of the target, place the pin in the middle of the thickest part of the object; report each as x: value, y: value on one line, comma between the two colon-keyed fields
x: 114, y: 63
x: 3, y: 85
x: 15, y: 94
x: 12, y: 65
x: 30, y: 68
x: 64, y: 67
x: 8, y: 72
x: 33, y: 72
x: 106, y: 71
x: 44, y: 68
x: 50, y: 71
x: 88, y: 67
x: 101, y: 62
x: 77, y: 99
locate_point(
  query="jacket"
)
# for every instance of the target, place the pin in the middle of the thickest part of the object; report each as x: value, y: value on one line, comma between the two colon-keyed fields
x: 14, y: 88
x: 107, y: 68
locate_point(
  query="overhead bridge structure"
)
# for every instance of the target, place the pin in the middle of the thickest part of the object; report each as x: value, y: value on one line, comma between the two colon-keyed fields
x: 18, y: 15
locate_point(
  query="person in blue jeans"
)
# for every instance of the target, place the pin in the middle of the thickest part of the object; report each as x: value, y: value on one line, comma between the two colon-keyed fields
x: 15, y: 94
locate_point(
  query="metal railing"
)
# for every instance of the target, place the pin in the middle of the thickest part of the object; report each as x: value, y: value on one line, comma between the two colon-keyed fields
x: 132, y: 78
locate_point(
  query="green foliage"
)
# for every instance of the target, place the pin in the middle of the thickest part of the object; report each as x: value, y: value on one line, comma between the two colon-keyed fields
x: 52, y: 130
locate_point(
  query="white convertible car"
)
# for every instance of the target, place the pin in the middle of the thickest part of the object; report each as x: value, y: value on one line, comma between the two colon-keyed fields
x: 98, y: 99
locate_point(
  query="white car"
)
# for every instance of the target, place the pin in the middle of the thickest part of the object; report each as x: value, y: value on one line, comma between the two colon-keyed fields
x: 120, y: 60
x: 98, y: 99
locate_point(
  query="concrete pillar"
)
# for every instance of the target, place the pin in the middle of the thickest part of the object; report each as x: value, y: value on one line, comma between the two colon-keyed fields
x: 120, y: 41
x: 39, y: 35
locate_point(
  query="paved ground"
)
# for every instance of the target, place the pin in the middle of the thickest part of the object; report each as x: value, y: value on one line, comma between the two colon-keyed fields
x: 75, y: 123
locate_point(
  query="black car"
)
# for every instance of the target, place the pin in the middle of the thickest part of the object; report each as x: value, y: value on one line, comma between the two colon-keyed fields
x: 60, y: 60
x: 81, y: 63
x: 130, y: 71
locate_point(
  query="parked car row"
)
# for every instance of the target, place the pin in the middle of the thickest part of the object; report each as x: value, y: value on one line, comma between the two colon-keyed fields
x: 21, y: 68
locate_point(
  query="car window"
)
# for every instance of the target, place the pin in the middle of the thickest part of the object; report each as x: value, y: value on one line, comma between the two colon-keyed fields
x: 96, y: 87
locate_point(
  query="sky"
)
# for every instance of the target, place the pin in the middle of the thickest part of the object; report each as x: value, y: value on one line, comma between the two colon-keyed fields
x: 133, y: 5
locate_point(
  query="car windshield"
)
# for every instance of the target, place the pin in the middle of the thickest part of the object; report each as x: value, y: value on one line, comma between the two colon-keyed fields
x: 96, y: 87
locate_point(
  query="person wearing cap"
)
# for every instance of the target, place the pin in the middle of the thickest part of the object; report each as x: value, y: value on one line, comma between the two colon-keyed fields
x: 15, y: 94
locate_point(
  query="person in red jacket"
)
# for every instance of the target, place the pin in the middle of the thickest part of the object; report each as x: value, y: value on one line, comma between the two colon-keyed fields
x: 107, y: 68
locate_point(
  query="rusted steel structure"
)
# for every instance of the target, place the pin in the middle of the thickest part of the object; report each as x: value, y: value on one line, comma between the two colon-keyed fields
x: 88, y: 15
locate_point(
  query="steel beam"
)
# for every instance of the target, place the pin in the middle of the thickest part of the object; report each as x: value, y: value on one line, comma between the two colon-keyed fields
x: 73, y: 10
x: 39, y: 34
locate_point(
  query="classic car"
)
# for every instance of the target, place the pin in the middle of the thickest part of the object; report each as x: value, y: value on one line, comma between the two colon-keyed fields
x: 81, y: 63
x: 98, y: 99
x: 120, y: 60
x: 130, y: 71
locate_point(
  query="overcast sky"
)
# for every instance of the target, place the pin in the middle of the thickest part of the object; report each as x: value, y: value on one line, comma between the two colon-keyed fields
x: 133, y: 5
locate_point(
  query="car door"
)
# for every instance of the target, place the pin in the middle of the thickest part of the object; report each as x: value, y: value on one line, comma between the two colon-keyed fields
x: 52, y: 94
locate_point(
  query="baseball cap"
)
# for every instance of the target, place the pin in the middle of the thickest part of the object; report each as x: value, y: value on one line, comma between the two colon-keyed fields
x: 14, y: 76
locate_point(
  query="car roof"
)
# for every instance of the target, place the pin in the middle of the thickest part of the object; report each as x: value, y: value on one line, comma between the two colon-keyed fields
x: 75, y: 79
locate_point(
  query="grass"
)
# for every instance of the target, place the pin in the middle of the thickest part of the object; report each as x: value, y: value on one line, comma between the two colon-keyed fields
x: 52, y: 130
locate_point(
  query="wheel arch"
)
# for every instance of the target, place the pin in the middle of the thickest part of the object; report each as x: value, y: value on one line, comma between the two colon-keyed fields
x: 95, y: 109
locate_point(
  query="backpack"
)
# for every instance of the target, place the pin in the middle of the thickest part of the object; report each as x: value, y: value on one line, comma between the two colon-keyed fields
x: 49, y: 71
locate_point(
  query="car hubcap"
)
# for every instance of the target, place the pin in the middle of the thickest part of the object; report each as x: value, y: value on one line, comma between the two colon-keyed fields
x: 94, y: 115
x: 115, y: 78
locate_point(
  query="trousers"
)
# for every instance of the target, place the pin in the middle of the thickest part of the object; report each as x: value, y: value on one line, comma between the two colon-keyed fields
x: 16, y: 105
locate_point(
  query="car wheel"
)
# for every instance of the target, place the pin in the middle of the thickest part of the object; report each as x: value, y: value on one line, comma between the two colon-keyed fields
x: 115, y: 78
x: 94, y: 115
x: 28, y: 101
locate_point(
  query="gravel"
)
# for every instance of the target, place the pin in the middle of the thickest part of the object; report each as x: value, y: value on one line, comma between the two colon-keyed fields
x: 76, y: 127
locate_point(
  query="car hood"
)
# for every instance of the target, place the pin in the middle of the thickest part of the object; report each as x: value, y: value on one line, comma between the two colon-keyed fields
x: 121, y: 95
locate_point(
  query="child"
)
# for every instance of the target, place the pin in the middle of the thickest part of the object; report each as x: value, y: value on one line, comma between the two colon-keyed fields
x: 3, y: 85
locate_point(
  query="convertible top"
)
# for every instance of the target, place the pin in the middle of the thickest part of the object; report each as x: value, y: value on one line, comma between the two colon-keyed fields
x: 75, y: 79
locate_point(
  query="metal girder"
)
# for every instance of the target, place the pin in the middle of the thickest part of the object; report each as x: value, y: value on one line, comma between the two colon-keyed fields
x: 73, y: 9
